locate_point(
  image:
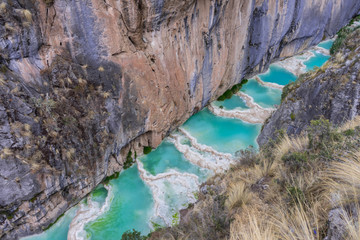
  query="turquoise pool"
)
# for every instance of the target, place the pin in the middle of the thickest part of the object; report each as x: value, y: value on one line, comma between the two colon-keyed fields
x: 317, y: 61
x: 264, y: 96
x: 235, y: 102
x: 277, y: 74
x: 222, y: 134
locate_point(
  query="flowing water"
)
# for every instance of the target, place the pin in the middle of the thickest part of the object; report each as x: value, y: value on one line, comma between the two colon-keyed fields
x: 152, y: 191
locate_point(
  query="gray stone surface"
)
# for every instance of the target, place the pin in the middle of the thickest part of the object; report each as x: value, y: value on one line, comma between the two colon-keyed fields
x: 332, y: 93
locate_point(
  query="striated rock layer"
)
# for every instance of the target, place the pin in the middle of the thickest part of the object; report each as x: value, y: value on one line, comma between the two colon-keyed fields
x: 83, y: 82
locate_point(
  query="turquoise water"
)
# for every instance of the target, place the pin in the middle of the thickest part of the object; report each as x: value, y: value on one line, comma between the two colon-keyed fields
x: 277, y: 74
x: 99, y: 194
x: 317, y: 61
x: 59, y: 230
x: 223, y: 134
x: 235, y: 102
x: 264, y: 96
x: 326, y: 44
x: 166, y: 157
x: 131, y: 208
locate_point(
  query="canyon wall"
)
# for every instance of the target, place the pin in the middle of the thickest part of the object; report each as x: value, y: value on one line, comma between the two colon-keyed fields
x: 85, y: 84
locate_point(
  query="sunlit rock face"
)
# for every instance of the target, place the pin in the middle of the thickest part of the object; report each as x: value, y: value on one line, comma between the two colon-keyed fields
x: 123, y: 74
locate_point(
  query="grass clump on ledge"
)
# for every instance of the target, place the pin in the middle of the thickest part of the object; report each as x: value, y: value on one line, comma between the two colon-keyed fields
x: 230, y: 92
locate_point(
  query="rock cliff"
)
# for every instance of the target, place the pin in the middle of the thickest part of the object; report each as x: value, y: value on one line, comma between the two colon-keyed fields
x: 331, y: 92
x: 84, y: 84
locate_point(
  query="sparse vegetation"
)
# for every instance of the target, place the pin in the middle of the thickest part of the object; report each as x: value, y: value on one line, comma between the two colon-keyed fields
x: 147, y: 150
x: 239, y: 195
x: 342, y: 35
x: 230, y: 92
x: 175, y: 219
x: 129, y: 160
x: 109, y: 178
x: 292, y: 117
x: 49, y: 3
x: 132, y: 235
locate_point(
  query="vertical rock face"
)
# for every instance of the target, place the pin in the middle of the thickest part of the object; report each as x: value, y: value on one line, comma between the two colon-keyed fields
x: 83, y: 82
x: 332, y: 92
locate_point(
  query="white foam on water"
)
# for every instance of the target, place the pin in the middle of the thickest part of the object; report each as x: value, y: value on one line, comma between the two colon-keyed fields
x: 322, y: 50
x: 171, y: 191
x: 249, y: 101
x: 296, y: 64
x: 206, y: 160
x: 268, y: 84
x: 88, y: 213
x: 253, y: 115
x: 205, y: 148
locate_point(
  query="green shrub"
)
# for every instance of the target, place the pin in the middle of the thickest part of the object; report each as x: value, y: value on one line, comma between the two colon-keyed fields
x: 296, y: 194
x: 355, y: 19
x: 341, y: 36
x: 349, y: 132
x: 129, y: 160
x: 321, y: 133
x: 175, y: 219
x: 292, y: 116
x: 286, y: 90
x: 147, y: 150
x: 247, y: 157
x: 3, y: 68
x: 296, y: 160
x: 114, y: 176
x: 230, y: 92
x: 132, y: 235
x: 156, y: 226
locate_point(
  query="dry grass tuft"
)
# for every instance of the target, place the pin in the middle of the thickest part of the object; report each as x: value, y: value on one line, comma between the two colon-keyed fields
x: 27, y: 14
x: 350, y: 124
x: 2, y: 7
x: 298, y: 222
x: 258, y: 226
x: 352, y: 224
x: 290, y: 144
x: 239, y: 195
x: 343, y: 178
